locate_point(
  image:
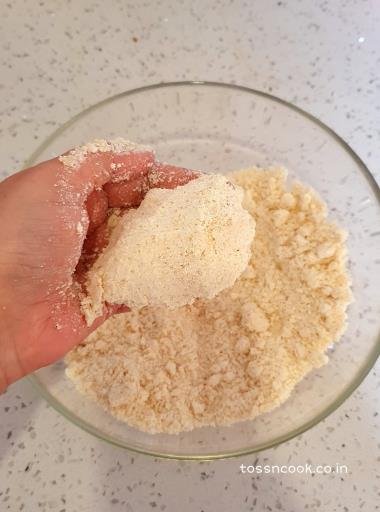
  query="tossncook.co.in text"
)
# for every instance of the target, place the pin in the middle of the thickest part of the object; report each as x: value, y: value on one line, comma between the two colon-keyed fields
x: 319, y: 469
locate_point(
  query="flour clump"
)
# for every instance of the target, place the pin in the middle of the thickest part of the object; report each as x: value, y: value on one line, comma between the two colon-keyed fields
x: 179, y: 245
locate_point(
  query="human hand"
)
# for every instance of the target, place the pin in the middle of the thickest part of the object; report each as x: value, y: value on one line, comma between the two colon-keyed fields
x: 52, y: 222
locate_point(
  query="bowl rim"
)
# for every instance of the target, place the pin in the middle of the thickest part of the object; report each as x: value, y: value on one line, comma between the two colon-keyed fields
x: 349, y: 389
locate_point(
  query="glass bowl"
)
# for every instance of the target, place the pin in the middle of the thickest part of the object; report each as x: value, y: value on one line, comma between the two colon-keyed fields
x: 219, y: 127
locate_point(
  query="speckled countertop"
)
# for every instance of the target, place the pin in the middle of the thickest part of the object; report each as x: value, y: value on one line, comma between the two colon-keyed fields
x: 57, y: 57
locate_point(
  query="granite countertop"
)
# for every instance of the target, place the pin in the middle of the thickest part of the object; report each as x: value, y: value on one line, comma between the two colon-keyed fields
x: 59, y: 57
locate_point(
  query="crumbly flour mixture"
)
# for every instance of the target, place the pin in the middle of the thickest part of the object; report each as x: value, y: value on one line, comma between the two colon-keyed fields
x: 179, y: 245
x: 241, y: 353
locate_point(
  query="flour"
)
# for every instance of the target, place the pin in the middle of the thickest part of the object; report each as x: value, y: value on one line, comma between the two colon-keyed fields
x: 241, y: 353
x: 181, y: 244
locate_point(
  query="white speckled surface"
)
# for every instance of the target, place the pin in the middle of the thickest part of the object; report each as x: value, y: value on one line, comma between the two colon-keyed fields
x: 57, y: 57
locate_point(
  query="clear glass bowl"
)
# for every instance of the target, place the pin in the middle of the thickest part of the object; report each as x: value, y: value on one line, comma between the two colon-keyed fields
x: 218, y: 127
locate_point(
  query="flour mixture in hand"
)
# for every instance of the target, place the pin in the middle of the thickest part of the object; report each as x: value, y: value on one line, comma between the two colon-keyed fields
x: 180, y: 244
x: 240, y: 354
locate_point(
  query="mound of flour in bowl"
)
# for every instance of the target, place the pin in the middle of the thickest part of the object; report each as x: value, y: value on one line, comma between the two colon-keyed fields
x: 241, y: 353
x: 178, y: 245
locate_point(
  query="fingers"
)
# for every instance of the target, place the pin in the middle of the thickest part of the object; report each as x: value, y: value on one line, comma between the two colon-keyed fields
x: 128, y: 183
x: 125, y: 176
x: 115, y: 309
x: 88, y: 171
x: 96, y: 240
x: 130, y: 193
x: 131, y: 166
x: 126, y: 194
x: 170, y: 176
x: 97, y: 206
x: 83, y: 172
x: 77, y: 179
x: 92, y: 246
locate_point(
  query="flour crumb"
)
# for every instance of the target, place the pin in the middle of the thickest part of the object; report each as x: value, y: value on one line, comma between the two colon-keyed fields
x: 240, y: 354
x: 179, y: 245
